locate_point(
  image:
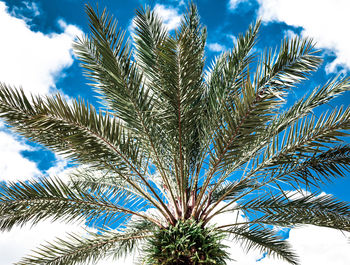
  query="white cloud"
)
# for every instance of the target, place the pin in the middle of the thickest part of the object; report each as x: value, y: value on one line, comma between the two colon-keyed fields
x: 320, y: 246
x: 317, y: 245
x: 233, y: 4
x: 33, y: 60
x: 290, y: 34
x: 59, y: 169
x: 20, y: 241
x: 326, y: 21
x: 216, y: 47
x: 13, y: 165
x: 170, y: 16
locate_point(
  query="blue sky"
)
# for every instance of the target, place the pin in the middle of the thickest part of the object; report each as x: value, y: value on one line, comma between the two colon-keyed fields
x: 35, y: 53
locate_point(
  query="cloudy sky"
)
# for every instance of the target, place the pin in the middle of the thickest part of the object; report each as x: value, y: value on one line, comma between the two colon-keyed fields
x: 36, y: 53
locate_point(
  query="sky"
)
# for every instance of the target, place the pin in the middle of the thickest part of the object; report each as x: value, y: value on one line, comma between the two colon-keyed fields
x: 36, y: 54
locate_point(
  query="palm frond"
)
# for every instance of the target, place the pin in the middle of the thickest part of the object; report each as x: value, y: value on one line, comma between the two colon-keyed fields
x: 224, y: 80
x: 264, y: 240
x: 286, y: 210
x: 74, y: 130
x: 259, y: 100
x: 248, y: 113
x: 305, y: 106
x: 80, y: 133
x: 108, y: 62
x: 321, y: 168
x: 88, y: 249
x: 295, y: 60
x: 230, y: 190
x: 149, y: 35
x: 180, y: 74
x: 301, y: 140
x: 35, y: 201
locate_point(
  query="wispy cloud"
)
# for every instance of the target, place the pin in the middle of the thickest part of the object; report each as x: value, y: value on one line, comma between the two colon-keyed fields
x: 233, y: 4
x: 216, y: 47
x: 26, y: 11
x: 326, y: 21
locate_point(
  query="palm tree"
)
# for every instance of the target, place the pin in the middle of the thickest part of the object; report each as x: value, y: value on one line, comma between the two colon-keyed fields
x: 178, y: 145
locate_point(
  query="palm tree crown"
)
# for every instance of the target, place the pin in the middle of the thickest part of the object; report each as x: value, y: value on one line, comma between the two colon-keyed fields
x: 179, y: 144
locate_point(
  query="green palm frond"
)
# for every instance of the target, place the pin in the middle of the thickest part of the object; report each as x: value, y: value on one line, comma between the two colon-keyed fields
x: 230, y: 190
x: 285, y: 210
x: 319, y: 169
x: 107, y: 61
x: 74, y: 130
x: 225, y: 76
x: 306, y: 105
x: 89, y: 248
x: 259, y: 99
x: 51, y: 198
x: 80, y: 133
x: 178, y: 145
x: 150, y: 34
x: 264, y: 240
x: 302, y: 139
x: 295, y: 60
x: 247, y: 113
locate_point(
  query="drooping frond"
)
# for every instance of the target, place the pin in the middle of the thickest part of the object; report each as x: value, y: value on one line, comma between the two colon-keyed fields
x: 264, y: 240
x: 87, y: 249
x: 35, y: 201
x: 286, y: 210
